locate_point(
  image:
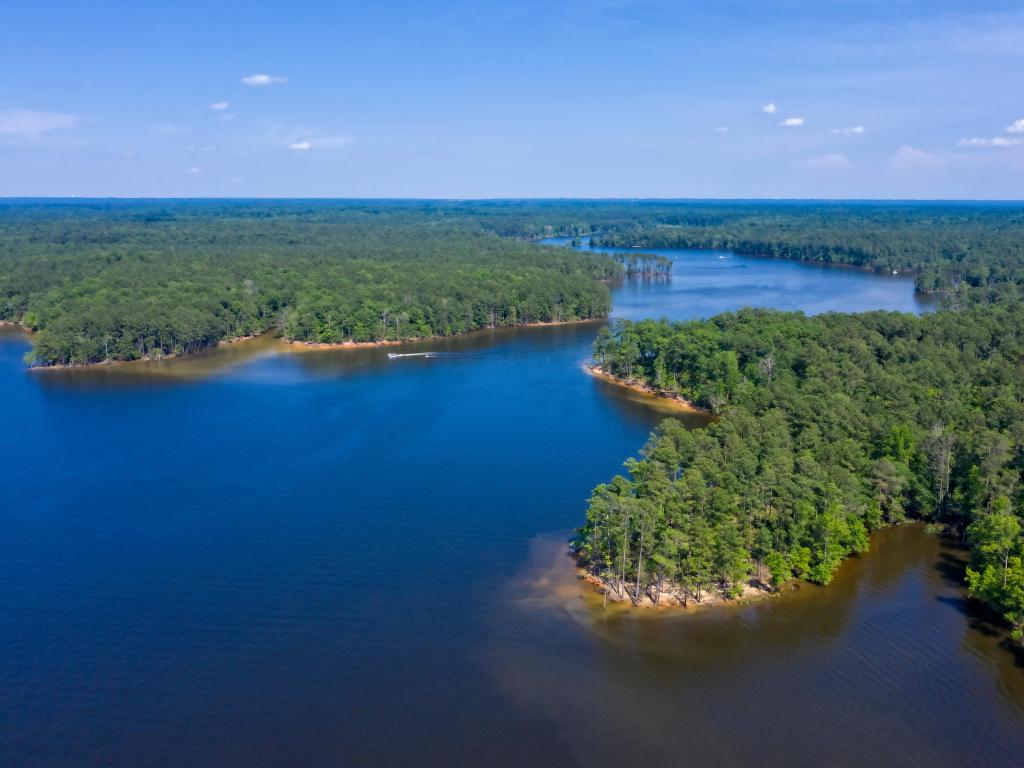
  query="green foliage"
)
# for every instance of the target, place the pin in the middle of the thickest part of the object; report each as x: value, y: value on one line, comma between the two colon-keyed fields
x: 996, y: 575
x: 144, y: 279
x: 128, y: 279
x: 967, y: 252
x: 828, y: 427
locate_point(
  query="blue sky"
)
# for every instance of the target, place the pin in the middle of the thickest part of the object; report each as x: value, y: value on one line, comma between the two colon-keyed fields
x: 731, y: 98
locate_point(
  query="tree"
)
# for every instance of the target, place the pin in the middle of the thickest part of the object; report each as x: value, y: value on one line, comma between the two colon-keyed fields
x: 779, y: 567
x: 994, y: 538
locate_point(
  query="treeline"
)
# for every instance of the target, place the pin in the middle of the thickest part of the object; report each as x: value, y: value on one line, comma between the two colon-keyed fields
x: 128, y: 279
x: 124, y: 280
x: 968, y: 253
x: 644, y: 265
x: 828, y: 427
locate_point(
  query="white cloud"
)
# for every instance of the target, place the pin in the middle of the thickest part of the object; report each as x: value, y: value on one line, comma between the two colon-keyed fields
x: 998, y: 141
x: 219, y: 106
x: 321, y: 142
x: 29, y: 125
x: 193, y: 170
x: 297, y: 137
x: 721, y: 129
x: 792, y: 122
x: 261, y: 79
x: 853, y: 129
x: 834, y: 161
x: 1017, y: 126
x: 769, y: 108
x: 908, y: 158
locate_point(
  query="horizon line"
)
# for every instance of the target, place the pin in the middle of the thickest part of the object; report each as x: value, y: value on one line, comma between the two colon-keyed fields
x: 269, y: 198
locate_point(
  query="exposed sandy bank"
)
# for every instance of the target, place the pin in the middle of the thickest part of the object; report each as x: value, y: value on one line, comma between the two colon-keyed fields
x: 645, y: 389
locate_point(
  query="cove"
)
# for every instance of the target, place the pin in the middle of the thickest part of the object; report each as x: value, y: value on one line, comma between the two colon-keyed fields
x: 255, y: 557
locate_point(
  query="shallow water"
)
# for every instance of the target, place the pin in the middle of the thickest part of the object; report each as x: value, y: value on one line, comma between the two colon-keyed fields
x: 258, y: 557
x: 885, y: 666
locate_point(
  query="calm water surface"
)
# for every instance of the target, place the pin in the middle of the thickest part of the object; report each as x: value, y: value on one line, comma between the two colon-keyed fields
x: 705, y: 283
x: 255, y: 557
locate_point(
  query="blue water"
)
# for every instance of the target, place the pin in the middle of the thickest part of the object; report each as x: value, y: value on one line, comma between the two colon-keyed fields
x: 705, y: 283
x: 263, y: 558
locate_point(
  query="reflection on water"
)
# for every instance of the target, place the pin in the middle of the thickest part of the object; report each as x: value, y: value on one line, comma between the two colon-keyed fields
x: 878, y: 663
x: 199, y: 365
x: 705, y: 283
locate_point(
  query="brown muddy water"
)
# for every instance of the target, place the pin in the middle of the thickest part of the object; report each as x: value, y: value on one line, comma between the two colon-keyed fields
x: 888, y: 665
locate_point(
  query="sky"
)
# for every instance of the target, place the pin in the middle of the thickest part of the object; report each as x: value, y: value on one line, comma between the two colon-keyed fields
x: 703, y: 99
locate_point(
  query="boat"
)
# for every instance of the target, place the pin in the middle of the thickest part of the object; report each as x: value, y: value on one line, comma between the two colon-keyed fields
x: 395, y: 355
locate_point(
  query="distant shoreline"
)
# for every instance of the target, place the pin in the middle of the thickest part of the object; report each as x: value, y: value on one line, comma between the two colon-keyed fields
x: 294, y: 345
x: 668, y: 398
x: 314, y: 345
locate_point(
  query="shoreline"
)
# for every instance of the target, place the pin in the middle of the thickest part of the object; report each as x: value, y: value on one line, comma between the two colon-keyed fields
x: 111, y: 363
x: 865, y: 268
x: 668, y: 398
x: 108, y: 363
x: 327, y: 345
x: 292, y: 345
x: 672, y: 598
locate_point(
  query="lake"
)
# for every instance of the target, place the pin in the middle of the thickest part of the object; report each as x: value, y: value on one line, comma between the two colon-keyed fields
x: 259, y: 557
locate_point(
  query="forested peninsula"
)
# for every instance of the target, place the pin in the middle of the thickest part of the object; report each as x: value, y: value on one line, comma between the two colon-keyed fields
x: 110, y: 280
x: 964, y: 251
x: 122, y: 280
x: 830, y: 426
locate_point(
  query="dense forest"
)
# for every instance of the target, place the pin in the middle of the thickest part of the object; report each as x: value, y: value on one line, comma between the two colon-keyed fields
x: 967, y: 253
x: 110, y: 280
x: 126, y: 279
x: 828, y: 427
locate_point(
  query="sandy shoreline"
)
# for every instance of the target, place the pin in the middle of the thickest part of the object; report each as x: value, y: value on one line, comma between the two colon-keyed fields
x: 110, y: 362
x: 672, y: 596
x: 312, y: 345
x: 645, y: 389
x: 293, y: 345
